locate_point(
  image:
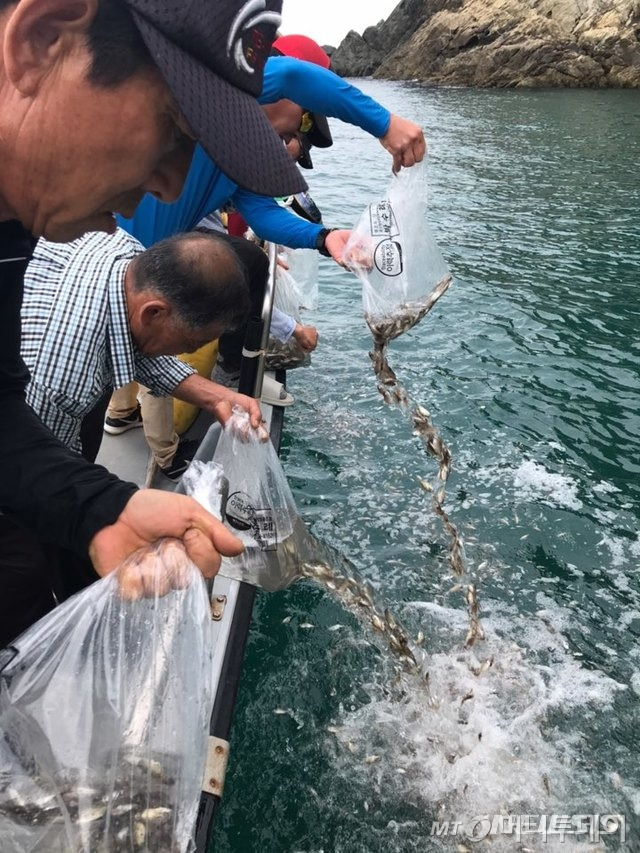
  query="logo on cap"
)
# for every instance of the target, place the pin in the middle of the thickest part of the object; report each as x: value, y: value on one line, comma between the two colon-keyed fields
x: 247, y: 44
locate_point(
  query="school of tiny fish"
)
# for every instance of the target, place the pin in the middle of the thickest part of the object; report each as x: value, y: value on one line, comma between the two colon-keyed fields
x: 285, y: 356
x: 358, y: 596
x: 131, y: 813
x: 385, y: 329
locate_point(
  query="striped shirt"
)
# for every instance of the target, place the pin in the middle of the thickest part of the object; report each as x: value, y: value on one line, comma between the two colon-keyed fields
x: 76, y: 340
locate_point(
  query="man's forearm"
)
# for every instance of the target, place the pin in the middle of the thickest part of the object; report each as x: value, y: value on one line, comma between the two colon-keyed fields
x: 201, y: 392
x: 217, y: 399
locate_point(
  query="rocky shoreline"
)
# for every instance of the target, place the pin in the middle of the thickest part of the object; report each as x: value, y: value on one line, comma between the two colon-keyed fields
x: 501, y: 43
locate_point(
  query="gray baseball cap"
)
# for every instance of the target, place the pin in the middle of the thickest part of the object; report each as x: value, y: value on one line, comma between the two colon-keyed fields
x: 212, y: 55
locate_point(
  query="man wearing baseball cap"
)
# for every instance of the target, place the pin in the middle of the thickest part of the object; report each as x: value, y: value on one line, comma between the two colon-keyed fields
x: 102, y: 102
x: 322, y: 93
x: 298, y: 92
x: 316, y: 131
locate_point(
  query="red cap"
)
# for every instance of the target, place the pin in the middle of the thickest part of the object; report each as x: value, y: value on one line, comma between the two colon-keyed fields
x: 302, y: 47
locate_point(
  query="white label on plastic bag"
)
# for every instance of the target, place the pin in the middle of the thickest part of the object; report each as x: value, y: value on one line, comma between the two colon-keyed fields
x: 266, y: 529
x: 383, y: 220
x: 242, y: 515
x: 388, y: 257
x: 239, y: 511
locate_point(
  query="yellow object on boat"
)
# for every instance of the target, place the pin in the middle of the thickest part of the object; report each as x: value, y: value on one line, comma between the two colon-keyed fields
x: 203, y: 360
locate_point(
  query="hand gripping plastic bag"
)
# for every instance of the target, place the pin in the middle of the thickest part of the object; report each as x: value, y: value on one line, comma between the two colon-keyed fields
x: 244, y: 486
x: 394, y: 254
x: 104, y: 709
x: 286, y: 355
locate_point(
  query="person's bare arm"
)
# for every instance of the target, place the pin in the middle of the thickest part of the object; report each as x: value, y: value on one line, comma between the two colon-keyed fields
x: 217, y: 399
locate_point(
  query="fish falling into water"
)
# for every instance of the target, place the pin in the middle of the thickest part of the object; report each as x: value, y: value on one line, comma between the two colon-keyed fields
x: 385, y: 329
x: 358, y: 596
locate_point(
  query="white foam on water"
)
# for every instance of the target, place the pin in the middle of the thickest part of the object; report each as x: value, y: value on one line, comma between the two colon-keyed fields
x: 605, y: 516
x: 627, y: 617
x: 621, y: 552
x: 605, y: 488
x: 635, y: 682
x: 536, y: 483
x: 532, y: 481
x: 486, y: 739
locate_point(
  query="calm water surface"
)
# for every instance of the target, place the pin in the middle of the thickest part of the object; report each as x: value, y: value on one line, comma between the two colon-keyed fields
x: 530, y: 366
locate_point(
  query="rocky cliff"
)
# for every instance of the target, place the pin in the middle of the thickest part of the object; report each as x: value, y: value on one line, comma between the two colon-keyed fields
x: 592, y: 43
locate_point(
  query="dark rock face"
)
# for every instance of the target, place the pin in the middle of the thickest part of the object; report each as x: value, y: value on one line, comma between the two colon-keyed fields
x: 354, y: 57
x: 328, y: 49
x: 593, y: 43
x: 361, y: 55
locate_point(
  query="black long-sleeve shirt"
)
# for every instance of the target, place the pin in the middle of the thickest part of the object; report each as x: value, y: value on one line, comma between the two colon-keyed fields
x: 53, y: 491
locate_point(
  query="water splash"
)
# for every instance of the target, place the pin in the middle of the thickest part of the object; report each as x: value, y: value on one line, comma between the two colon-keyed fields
x: 491, y: 737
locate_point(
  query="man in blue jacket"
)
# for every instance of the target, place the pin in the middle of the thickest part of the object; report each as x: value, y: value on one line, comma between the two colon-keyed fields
x: 309, y: 88
x: 296, y: 95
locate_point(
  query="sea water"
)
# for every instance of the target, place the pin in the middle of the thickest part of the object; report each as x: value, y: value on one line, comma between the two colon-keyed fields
x: 530, y: 368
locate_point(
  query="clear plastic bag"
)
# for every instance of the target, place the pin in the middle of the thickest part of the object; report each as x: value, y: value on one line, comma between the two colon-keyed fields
x: 104, y: 711
x: 244, y: 486
x: 394, y: 254
x: 304, y: 269
x: 286, y: 355
x: 304, y: 263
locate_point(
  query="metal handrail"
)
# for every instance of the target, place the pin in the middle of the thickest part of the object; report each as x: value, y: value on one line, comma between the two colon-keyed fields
x: 251, y: 376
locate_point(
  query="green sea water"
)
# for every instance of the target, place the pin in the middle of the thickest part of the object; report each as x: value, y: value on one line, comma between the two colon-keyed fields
x: 530, y: 367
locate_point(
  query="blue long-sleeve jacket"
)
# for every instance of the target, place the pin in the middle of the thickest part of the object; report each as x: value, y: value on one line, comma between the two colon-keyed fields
x: 207, y: 188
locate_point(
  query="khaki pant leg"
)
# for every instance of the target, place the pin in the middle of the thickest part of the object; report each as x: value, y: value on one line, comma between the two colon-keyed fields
x: 157, y: 423
x: 123, y: 401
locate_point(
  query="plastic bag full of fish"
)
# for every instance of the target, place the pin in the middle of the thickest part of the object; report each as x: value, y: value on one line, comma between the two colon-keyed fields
x: 130, y: 811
